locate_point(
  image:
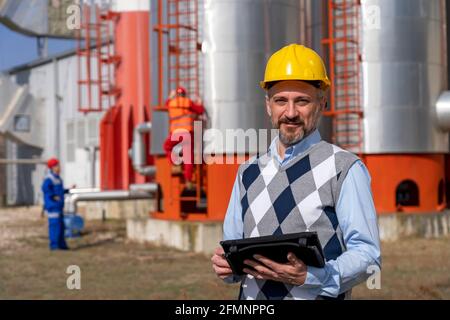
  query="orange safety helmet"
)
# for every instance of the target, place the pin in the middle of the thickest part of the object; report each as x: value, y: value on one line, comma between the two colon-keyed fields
x: 52, y: 162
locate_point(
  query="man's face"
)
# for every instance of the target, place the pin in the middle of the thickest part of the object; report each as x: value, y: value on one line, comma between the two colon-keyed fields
x: 294, y: 108
x: 56, y: 169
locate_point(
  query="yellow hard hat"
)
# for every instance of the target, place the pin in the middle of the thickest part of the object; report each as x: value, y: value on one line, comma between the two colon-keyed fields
x: 295, y: 62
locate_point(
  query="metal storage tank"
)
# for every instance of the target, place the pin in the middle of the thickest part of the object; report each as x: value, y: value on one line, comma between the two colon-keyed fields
x: 404, y: 73
x: 402, y: 69
x: 236, y: 38
x: 313, y: 29
x: 239, y: 36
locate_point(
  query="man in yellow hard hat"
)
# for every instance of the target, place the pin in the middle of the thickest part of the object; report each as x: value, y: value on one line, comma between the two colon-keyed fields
x: 302, y: 184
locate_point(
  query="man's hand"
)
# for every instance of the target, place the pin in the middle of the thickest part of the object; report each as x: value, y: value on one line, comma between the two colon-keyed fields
x: 220, y: 264
x: 293, y: 273
x: 203, y: 117
x: 172, y: 94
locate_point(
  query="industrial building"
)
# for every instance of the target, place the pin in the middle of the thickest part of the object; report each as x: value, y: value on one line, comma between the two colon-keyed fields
x: 388, y: 103
x: 34, y: 95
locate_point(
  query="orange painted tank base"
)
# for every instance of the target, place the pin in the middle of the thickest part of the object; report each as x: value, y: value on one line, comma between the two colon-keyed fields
x: 217, y: 184
x: 170, y: 206
x: 221, y: 179
x: 424, y: 174
x: 447, y: 179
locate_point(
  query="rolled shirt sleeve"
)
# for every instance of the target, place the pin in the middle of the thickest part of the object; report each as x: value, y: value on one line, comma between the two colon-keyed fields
x: 358, y: 221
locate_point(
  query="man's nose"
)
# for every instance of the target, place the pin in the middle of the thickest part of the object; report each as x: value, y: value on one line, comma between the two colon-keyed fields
x: 291, y: 112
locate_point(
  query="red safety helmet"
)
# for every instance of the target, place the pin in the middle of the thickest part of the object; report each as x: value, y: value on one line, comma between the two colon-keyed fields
x: 181, y: 91
x: 52, y: 162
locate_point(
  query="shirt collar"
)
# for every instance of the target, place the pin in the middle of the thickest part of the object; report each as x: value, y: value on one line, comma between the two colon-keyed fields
x: 50, y: 172
x: 296, y: 149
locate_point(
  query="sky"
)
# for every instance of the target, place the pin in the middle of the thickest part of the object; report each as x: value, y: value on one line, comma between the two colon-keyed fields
x: 17, y: 49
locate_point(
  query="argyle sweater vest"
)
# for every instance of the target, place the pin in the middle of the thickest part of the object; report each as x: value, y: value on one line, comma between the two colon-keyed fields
x: 300, y: 196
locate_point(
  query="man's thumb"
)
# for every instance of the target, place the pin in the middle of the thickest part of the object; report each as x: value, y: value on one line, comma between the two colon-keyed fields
x: 293, y: 259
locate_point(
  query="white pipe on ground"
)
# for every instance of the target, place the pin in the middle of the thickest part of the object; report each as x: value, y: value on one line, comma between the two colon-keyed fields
x: 73, y: 199
x: 142, y: 187
x: 83, y: 190
x: 22, y: 161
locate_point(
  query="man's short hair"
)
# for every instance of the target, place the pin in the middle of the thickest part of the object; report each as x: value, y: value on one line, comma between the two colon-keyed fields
x: 316, y: 84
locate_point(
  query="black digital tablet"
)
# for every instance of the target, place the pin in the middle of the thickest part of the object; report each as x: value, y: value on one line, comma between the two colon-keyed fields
x: 305, y: 245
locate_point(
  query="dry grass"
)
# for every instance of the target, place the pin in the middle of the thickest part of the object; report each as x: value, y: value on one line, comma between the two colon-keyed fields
x: 413, y: 269
x: 112, y: 268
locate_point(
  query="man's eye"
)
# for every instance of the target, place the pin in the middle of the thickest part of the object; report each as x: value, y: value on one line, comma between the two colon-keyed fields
x: 303, y: 102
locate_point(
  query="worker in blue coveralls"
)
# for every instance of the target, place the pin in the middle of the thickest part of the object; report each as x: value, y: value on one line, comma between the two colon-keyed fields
x: 53, y: 189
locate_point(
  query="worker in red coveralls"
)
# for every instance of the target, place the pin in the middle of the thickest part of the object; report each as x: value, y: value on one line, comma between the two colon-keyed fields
x: 182, y: 114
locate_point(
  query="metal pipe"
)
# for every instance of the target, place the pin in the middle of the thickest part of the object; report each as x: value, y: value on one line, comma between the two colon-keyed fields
x: 143, y: 187
x: 443, y: 111
x: 138, y: 149
x: 93, y: 166
x: 73, y: 199
x: 22, y: 161
x: 83, y: 190
x: 56, y: 109
x: 92, y: 150
x: 160, y: 55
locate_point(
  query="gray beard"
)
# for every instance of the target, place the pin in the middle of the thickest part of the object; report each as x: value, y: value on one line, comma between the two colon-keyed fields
x: 289, y: 140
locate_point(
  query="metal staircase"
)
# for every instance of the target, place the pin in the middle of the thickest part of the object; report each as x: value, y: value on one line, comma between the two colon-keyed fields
x: 183, y: 45
x: 180, y: 27
x: 96, y: 60
x: 345, y: 72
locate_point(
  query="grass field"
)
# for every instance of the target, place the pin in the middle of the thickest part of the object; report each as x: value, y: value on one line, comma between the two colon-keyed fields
x: 113, y: 268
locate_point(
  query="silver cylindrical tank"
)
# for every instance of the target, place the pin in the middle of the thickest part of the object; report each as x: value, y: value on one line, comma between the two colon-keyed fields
x: 313, y: 30
x: 238, y: 38
x: 404, y: 71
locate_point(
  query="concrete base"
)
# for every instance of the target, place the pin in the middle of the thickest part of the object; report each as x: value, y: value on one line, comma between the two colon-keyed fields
x: 124, y: 209
x: 400, y: 225
x: 198, y: 237
x: 204, y: 237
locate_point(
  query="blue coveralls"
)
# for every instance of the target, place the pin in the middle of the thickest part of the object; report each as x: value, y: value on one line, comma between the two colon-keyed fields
x: 54, y: 191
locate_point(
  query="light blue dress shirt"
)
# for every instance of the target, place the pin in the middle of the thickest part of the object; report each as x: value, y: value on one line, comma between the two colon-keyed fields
x: 357, y: 218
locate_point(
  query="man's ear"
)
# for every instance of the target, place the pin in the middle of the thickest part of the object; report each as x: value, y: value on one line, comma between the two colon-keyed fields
x: 324, y: 104
x: 269, y: 111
